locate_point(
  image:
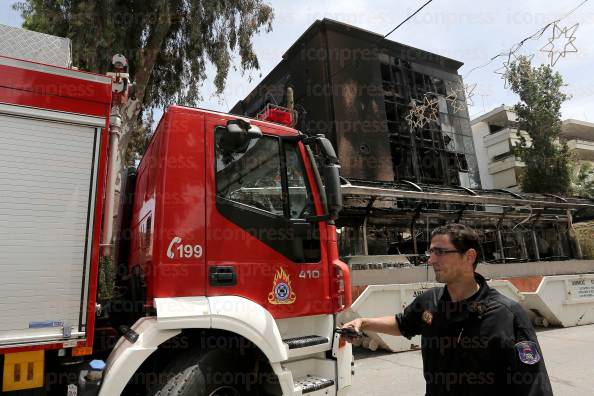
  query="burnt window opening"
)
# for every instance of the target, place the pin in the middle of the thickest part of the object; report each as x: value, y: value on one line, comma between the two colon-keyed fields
x: 431, y: 166
x: 440, y: 87
x: 462, y: 163
x: 403, y: 162
x: 423, y: 154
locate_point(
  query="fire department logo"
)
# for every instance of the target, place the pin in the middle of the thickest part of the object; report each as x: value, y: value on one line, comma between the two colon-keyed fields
x: 427, y: 317
x: 281, y: 289
x: 528, y: 352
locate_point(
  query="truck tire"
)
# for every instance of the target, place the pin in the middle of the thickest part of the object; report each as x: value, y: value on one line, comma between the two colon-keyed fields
x: 212, y: 373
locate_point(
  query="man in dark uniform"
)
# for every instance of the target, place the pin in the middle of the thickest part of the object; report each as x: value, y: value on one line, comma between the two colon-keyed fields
x: 475, y: 341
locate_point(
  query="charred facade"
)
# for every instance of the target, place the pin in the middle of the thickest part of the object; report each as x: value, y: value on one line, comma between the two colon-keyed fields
x: 356, y: 87
x: 402, y: 181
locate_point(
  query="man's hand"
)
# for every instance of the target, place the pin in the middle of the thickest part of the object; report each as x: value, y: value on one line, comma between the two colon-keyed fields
x: 352, y: 330
x: 385, y: 324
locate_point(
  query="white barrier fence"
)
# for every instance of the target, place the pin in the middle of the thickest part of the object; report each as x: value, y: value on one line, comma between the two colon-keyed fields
x: 565, y: 300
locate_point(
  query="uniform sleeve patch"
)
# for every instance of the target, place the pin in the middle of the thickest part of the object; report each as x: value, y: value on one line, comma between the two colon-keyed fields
x: 427, y: 317
x: 527, y: 352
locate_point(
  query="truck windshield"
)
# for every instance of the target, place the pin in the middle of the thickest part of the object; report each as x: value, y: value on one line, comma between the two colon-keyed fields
x: 263, y: 188
x: 315, y: 160
x: 300, y: 202
x: 252, y: 177
x: 255, y: 177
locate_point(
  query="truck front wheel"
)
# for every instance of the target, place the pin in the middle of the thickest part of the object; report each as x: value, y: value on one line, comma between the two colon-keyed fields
x: 212, y: 373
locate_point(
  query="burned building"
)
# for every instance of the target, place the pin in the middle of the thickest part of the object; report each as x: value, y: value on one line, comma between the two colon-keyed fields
x: 403, y: 178
x: 357, y: 88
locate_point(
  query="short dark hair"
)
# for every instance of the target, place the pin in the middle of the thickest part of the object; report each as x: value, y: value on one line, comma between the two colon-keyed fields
x: 462, y: 237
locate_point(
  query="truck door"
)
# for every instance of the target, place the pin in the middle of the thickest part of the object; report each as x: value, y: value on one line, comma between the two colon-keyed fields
x: 260, y: 243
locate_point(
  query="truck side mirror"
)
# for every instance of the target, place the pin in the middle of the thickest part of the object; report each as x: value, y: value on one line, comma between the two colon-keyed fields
x: 327, y: 149
x: 330, y: 174
x: 237, y: 136
x: 333, y: 192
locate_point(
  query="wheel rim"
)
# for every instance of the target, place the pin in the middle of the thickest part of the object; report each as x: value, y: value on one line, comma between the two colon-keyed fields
x: 225, y: 391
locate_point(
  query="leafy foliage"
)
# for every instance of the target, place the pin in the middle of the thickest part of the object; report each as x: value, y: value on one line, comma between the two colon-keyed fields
x: 548, y: 160
x: 583, y: 184
x: 168, y: 43
x: 141, y: 132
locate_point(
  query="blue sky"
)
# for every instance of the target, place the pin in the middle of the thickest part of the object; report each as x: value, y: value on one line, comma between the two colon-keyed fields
x: 469, y: 31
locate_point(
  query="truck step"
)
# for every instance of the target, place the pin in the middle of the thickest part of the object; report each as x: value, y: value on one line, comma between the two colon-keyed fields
x: 305, y: 341
x: 312, y: 383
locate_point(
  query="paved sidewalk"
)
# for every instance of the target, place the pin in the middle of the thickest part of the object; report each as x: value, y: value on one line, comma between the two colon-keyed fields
x: 568, y: 353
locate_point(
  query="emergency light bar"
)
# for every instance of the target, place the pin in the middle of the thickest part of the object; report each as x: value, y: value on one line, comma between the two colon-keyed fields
x: 278, y: 114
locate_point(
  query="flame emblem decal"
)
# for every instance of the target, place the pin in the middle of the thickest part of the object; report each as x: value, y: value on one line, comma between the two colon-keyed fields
x: 281, y: 289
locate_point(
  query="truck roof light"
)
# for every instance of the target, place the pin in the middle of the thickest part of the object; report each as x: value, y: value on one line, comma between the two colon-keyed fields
x: 278, y: 114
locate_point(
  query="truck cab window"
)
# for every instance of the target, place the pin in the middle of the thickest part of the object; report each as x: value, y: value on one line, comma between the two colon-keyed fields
x: 263, y: 186
x: 300, y: 202
x: 252, y: 177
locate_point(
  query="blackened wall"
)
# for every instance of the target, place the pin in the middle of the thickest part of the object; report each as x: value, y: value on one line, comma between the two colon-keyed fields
x: 356, y: 88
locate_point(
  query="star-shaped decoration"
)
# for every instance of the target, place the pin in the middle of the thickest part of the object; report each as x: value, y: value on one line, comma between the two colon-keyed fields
x: 504, y: 71
x: 557, y: 51
x: 416, y: 115
x: 469, y: 89
x: 452, y: 99
x: 410, y: 120
x: 430, y: 109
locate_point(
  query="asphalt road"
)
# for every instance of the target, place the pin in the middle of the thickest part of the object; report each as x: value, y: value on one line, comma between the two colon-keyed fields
x: 568, y: 353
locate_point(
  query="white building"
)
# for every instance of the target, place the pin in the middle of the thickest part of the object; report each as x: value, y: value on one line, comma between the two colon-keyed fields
x: 495, y: 134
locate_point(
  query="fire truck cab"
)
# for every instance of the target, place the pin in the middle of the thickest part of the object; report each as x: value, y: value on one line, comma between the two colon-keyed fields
x: 228, y: 279
x: 233, y: 253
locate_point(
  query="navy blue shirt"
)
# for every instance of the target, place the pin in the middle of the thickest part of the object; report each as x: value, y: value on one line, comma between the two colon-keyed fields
x: 484, y: 345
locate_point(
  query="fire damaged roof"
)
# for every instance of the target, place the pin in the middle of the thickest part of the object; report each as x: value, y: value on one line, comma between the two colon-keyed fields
x: 405, y: 51
x: 429, y: 192
x: 385, y: 198
x: 374, y: 39
x: 397, y: 219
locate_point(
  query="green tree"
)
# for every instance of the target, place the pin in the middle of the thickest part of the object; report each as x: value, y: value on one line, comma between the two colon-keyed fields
x: 168, y: 43
x: 548, y: 160
x: 583, y: 184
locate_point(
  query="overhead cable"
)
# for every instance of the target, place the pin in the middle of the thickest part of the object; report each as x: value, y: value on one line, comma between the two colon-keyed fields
x: 409, y: 17
x: 535, y: 36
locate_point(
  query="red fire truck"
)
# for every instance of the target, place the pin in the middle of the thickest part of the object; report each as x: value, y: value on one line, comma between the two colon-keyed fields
x: 231, y: 279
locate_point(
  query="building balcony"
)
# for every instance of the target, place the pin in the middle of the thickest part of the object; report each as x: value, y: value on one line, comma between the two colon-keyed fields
x: 583, y: 149
x: 502, y: 142
x: 503, y: 164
